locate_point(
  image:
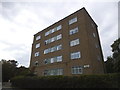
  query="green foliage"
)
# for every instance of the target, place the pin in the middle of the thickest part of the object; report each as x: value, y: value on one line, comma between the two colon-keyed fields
x: 109, y: 65
x: 113, y: 62
x: 10, y: 69
x: 22, y: 71
x: 83, y: 81
x: 115, y: 45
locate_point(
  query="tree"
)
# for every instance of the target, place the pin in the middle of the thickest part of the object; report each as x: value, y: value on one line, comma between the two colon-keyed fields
x: 8, y: 69
x: 22, y: 71
x: 113, y: 62
x: 109, y: 65
x: 116, y: 55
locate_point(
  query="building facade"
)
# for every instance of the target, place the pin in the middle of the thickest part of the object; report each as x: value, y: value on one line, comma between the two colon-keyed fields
x: 69, y: 47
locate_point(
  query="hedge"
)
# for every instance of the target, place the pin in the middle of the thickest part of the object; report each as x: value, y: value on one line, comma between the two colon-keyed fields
x: 83, y: 81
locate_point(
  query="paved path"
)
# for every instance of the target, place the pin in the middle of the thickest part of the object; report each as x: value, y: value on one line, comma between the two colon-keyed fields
x: 7, y: 86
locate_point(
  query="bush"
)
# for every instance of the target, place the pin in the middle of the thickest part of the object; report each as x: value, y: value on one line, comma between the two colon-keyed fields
x: 83, y: 81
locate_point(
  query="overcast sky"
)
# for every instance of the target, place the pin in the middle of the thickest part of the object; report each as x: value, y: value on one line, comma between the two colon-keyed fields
x: 19, y: 21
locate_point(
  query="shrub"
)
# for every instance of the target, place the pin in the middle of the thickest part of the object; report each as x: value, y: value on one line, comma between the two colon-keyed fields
x: 82, y: 81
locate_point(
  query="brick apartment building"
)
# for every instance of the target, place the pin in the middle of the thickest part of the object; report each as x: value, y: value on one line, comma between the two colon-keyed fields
x: 69, y: 47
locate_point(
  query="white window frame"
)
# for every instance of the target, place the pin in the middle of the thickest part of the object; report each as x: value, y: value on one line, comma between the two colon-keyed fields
x: 52, y: 39
x: 73, y: 31
x: 50, y: 72
x: 59, y: 47
x: 53, y: 30
x: 46, y: 51
x: 53, y: 59
x: 37, y: 45
x: 38, y: 37
x: 77, y: 70
x: 36, y: 63
x: 75, y: 55
x: 73, y: 20
x: 47, y: 33
x: 37, y: 54
x: 53, y: 49
x: 55, y: 38
x: 59, y: 27
x: 74, y: 42
x: 59, y: 58
x: 59, y: 36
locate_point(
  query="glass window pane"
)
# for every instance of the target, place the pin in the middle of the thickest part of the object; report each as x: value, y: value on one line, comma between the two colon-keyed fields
x: 36, y: 54
x: 38, y: 37
x: 77, y: 70
x: 59, y: 47
x: 73, y: 31
x: 73, y: 20
x: 37, y: 45
x: 52, y: 30
x: 47, y: 33
x: 59, y: 37
x: 52, y: 60
x: 59, y: 27
x: 75, y: 55
x: 52, y: 39
x: 59, y: 58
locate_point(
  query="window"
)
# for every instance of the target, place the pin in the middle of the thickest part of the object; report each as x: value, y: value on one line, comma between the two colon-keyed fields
x: 75, y: 55
x: 38, y: 37
x: 52, y: 49
x: 59, y: 27
x: 36, y: 63
x: 37, y: 45
x: 52, y: 60
x: 50, y: 72
x: 45, y: 61
x: 47, y: 33
x: 46, y: 51
x: 73, y: 31
x: 53, y: 30
x: 73, y: 20
x: 77, y: 70
x: 74, y: 42
x: 36, y: 54
x: 45, y: 72
x: 59, y: 36
x: 59, y: 47
x: 59, y: 71
x: 94, y: 35
x: 53, y: 39
x: 59, y: 58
